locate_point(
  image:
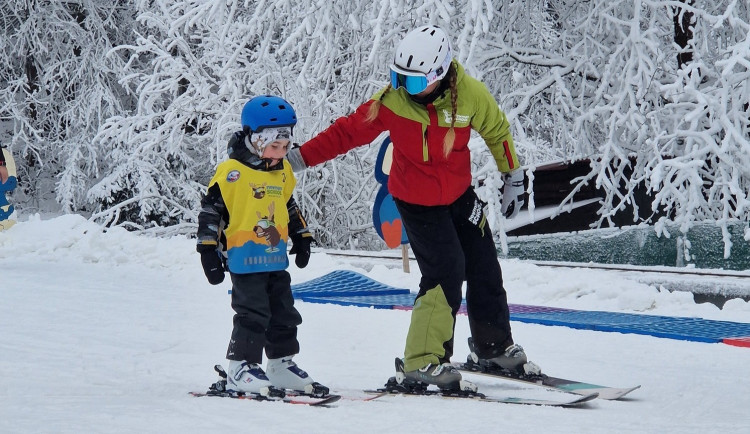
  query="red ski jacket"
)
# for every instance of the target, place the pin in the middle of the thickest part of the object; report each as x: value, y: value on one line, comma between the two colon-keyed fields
x: 420, y: 174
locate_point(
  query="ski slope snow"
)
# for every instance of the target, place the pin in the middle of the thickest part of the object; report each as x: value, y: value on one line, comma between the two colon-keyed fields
x: 108, y: 331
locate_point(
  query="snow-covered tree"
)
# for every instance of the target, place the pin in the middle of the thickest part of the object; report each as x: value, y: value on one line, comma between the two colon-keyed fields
x: 601, y: 81
x: 131, y: 124
x: 57, y: 86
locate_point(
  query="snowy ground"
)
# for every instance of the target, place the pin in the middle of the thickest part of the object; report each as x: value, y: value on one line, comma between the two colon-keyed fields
x: 107, y: 332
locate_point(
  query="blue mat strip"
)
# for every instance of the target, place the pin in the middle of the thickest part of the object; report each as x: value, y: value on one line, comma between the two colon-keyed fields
x: 344, y: 283
x: 374, y: 301
x: 348, y: 288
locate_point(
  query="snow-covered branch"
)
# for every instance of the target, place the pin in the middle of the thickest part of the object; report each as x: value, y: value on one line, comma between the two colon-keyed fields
x: 136, y: 118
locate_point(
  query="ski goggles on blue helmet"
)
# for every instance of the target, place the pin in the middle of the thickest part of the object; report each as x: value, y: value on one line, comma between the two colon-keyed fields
x: 414, y: 81
x: 261, y: 139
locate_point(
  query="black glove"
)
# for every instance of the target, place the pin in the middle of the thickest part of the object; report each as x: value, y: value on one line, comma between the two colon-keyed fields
x: 213, y: 266
x: 301, y: 248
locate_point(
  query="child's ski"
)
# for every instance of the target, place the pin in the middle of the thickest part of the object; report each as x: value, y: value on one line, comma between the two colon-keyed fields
x: 298, y: 399
x: 219, y: 389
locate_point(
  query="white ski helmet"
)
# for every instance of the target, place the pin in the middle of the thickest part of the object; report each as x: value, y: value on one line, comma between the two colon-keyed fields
x: 424, y: 50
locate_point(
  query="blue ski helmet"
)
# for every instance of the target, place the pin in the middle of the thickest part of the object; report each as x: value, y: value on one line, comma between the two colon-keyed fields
x: 266, y: 111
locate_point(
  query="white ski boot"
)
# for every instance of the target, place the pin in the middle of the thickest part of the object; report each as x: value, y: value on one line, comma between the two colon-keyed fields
x: 248, y: 378
x: 285, y: 374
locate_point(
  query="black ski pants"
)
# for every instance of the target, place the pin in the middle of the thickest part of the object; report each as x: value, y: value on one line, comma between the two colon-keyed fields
x: 453, y: 243
x: 265, y: 317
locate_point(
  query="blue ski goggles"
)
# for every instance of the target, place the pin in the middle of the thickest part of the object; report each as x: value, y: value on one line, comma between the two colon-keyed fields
x: 413, y: 82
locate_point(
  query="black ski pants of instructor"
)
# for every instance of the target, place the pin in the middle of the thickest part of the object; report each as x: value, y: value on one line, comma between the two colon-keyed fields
x: 265, y: 317
x: 453, y: 243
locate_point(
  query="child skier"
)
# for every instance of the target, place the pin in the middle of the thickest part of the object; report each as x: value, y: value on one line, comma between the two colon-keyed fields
x: 249, y: 210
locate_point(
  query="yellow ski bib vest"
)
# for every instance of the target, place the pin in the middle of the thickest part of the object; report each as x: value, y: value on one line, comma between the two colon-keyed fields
x: 258, y: 228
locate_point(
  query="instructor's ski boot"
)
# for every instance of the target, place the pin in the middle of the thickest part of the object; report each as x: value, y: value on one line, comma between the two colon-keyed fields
x: 445, y: 376
x: 285, y: 374
x: 512, y: 360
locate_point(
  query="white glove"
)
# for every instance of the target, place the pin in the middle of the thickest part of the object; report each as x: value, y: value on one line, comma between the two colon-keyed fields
x: 513, y: 193
x: 295, y: 160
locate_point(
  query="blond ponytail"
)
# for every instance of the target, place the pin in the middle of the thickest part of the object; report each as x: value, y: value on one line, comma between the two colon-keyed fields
x: 450, y: 136
x: 372, y: 113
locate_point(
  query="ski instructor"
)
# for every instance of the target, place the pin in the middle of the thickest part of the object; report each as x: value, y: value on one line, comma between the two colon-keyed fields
x: 430, y: 107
